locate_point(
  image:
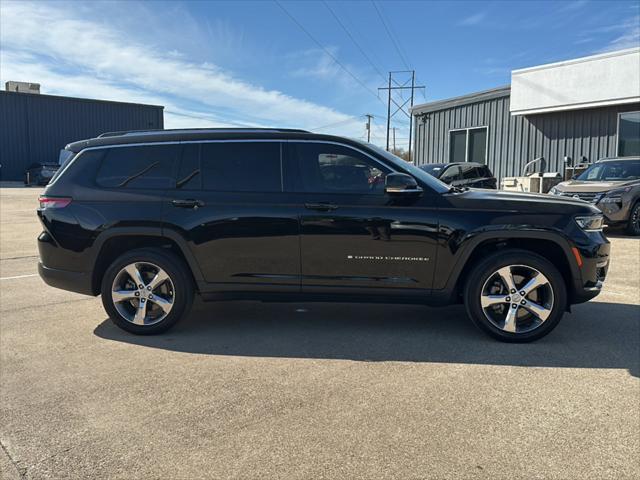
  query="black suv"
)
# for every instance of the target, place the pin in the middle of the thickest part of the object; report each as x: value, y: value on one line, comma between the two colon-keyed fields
x: 465, y: 174
x: 147, y: 219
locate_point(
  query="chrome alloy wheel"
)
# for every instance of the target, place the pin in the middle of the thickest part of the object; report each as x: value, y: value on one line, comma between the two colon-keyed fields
x: 517, y: 298
x: 143, y: 293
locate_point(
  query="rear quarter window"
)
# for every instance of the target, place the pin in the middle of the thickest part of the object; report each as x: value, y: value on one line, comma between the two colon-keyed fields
x: 138, y: 167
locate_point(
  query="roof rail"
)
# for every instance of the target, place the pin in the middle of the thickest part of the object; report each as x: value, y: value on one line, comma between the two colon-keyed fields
x: 197, y: 130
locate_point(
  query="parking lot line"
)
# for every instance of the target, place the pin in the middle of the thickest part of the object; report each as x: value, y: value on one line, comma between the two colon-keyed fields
x: 19, y: 276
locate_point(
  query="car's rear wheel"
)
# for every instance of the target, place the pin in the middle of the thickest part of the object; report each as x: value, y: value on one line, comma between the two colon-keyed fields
x: 633, y: 227
x: 147, y: 291
x: 515, y: 296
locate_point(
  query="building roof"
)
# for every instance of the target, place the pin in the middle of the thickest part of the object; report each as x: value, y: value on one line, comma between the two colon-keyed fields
x: 76, y: 99
x: 606, y: 79
x: 499, y: 92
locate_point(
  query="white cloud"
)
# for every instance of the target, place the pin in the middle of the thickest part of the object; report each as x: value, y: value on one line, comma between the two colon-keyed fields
x: 474, y: 19
x: 73, y: 55
x: 628, y: 35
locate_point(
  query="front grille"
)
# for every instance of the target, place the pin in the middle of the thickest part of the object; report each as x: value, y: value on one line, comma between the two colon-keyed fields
x: 592, y: 197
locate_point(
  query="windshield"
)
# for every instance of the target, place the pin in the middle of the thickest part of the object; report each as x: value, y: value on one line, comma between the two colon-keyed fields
x: 421, y: 175
x: 432, y: 169
x: 612, y: 171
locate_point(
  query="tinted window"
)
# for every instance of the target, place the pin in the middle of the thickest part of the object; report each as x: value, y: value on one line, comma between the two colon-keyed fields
x: 458, y: 146
x: 469, y: 172
x: 477, y: 145
x: 433, y: 169
x: 452, y: 173
x: 141, y: 167
x: 469, y: 145
x: 485, y: 172
x: 189, y: 176
x: 241, y: 166
x: 337, y: 169
x: 629, y: 134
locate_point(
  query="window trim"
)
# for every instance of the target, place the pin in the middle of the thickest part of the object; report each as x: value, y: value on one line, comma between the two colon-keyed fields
x: 618, y: 154
x: 466, y: 142
x: 246, y: 140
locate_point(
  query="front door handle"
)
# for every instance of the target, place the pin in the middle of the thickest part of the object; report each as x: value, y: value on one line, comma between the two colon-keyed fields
x: 188, y: 203
x: 322, y: 207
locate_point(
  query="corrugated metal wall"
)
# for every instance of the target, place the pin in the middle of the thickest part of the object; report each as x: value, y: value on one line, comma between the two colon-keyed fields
x: 33, y: 128
x: 515, y: 140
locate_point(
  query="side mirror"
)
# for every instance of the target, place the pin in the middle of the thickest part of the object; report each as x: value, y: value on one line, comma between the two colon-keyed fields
x: 401, y: 184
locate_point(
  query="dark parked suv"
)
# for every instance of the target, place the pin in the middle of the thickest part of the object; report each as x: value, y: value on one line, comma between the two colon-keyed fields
x: 462, y: 174
x: 148, y: 219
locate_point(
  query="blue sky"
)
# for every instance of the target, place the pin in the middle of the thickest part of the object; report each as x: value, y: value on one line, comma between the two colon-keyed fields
x: 274, y: 64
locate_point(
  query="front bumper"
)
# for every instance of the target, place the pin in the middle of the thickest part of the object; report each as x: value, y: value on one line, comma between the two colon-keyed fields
x: 595, y: 265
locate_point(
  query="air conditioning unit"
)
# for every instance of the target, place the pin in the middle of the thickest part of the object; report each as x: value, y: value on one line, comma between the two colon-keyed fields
x: 22, y: 87
x: 536, y: 183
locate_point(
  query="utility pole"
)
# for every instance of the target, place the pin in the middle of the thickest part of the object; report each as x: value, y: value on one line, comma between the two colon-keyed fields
x: 400, y: 107
x: 394, y: 139
x: 369, y: 117
x: 413, y: 82
x: 388, y: 111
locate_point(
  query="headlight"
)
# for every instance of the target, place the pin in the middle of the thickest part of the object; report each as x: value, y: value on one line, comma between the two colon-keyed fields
x: 615, y: 196
x: 554, y: 191
x: 590, y: 223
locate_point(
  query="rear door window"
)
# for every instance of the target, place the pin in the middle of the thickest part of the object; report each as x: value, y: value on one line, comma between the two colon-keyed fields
x: 189, y: 176
x: 470, y: 172
x: 241, y: 166
x: 138, y: 167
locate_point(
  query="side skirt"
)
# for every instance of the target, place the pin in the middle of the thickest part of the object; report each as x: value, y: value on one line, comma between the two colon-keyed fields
x: 431, y: 298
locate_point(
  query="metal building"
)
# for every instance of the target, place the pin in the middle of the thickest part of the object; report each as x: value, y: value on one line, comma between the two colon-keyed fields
x: 552, y: 111
x: 34, y: 127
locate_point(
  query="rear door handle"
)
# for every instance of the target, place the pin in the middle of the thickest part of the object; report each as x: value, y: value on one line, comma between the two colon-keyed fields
x: 188, y: 203
x: 322, y: 207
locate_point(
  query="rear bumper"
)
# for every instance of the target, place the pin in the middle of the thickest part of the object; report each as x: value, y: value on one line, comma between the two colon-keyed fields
x: 78, y: 282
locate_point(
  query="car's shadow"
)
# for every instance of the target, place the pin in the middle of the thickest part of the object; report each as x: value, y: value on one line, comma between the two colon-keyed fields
x: 595, y: 335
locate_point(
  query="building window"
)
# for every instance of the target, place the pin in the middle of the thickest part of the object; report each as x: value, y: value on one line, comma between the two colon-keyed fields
x: 629, y: 134
x: 468, y: 145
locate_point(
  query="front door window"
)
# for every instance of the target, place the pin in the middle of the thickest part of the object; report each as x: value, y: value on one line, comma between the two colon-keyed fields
x: 326, y: 168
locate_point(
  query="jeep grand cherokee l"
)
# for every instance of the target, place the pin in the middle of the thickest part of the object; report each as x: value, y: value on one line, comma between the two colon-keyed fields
x: 148, y: 219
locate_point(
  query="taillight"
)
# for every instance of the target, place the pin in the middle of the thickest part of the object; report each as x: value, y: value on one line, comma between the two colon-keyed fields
x: 53, y: 202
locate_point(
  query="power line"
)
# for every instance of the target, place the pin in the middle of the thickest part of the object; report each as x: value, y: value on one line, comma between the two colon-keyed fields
x: 391, y: 36
x: 335, y: 124
x: 353, y: 39
x: 327, y: 51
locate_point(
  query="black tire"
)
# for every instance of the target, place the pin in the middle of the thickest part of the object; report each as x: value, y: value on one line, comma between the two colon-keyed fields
x: 182, y: 289
x: 633, y: 227
x: 484, y: 271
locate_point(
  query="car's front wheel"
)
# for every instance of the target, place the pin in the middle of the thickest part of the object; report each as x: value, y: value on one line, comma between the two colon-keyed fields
x: 147, y: 291
x: 515, y: 296
x: 633, y: 227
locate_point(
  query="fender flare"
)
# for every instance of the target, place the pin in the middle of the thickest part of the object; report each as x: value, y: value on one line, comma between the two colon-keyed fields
x: 157, y: 232
x: 472, y: 241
